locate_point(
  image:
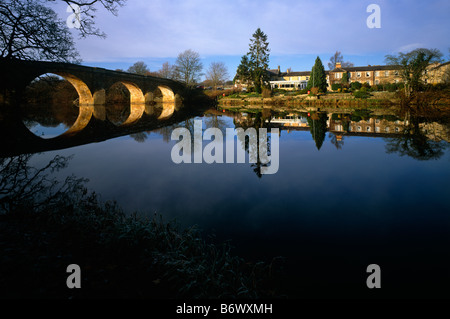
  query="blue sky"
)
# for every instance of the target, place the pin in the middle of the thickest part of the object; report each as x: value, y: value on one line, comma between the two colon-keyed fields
x: 157, y: 31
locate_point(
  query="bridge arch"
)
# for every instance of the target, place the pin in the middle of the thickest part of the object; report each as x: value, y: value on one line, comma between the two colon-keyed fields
x: 167, y: 93
x: 85, y: 99
x: 84, y: 94
x: 137, y: 102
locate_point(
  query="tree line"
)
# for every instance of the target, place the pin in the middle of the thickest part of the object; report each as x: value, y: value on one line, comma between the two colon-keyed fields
x: 187, y: 69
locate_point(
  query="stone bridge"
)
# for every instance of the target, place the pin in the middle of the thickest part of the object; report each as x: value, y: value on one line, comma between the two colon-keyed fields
x: 92, y: 83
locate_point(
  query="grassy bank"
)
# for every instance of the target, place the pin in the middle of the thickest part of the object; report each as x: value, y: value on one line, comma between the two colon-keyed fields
x: 332, y: 99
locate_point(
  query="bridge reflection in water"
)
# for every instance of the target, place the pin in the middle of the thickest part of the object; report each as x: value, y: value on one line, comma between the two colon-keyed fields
x: 136, y: 113
x: 152, y: 101
x: 91, y: 125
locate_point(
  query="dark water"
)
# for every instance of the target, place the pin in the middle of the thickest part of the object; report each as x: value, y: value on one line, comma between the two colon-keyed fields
x: 340, y: 201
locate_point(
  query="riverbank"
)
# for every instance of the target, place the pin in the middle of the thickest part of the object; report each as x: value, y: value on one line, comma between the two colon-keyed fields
x: 334, y: 100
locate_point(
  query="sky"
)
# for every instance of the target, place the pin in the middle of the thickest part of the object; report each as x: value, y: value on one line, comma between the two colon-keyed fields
x: 298, y: 31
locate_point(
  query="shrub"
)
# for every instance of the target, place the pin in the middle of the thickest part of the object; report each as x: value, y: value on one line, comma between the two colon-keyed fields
x: 266, y: 93
x: 304, y: 91
x: 366, y: 85
x: 391, y: 87
x: 361, y: 94
x: 355, y: 85
x: 314, y: 91
x: 336, y: 86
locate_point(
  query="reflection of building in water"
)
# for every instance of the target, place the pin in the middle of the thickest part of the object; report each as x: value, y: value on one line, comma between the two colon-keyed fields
x: 345, y: 124
x: 244, y: 119
x: 289, y: 120
x: 436, y: 131
x: 371, y: 125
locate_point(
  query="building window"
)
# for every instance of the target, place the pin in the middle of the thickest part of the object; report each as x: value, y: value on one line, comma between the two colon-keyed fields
x: 386, y: 73
x: 307, y: 78
x: 397, y: 130
x: 377, y: 81
x: 368, y: 82
x: 358, y: 74
x: 377, y: 129
x: 386, y: 129
x: 368, y: 128
x: 377, y: 121
x: 396, y: 73
x: 338, y: 75
x: 358, y: 128
x: 367, y: 74
x: 377, y: 73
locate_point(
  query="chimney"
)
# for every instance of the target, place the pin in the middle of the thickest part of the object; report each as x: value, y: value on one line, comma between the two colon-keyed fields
x: 288, y: 70
x: 279, y: 69
x: 338, y: 65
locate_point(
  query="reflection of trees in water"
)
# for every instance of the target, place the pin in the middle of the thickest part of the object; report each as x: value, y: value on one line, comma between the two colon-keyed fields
x: 117, y: 113
x: 49, y: 115
x: 23, y: 187
x: 337, y: 141
x: 318, y: 126
x: 140, y: 137
x: 255, y: 121
x: 215, y: 121
x: 414, y: 143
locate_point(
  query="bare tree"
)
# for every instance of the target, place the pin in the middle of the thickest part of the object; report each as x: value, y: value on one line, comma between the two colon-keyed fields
x: 188, y: 67
x: 139, y: 68
x: 87, y: 9
x: 217, y: 73
x: 413, y: 65
x: 337, y: 57
x: 167, y: 71
x: 31, y: 30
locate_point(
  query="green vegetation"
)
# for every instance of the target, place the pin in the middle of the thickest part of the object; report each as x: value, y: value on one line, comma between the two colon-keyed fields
x: 336, y: 86
x: 259, y: 59
x: 413, y: 65
x: 355, y: 85
x: 362, y: 94
x: 318, y: 127
x: 318, y: 77
x: 46, y: 224
x: 243, y: 73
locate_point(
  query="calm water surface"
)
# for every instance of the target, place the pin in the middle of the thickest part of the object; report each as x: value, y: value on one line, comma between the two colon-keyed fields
x: 334, y: 206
